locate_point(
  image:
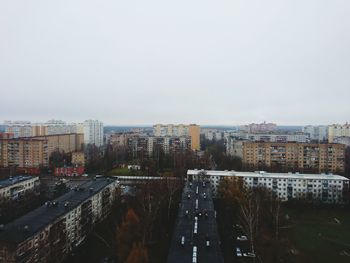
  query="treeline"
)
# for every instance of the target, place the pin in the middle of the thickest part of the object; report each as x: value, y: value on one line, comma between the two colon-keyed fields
x: 257, y: 211
x: 145, y: 232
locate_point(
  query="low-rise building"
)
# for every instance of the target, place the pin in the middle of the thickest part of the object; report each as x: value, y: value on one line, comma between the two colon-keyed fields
x: 16, y: 186
x: 327, y: 188
x: 69, y: 171
x: 55, y: 229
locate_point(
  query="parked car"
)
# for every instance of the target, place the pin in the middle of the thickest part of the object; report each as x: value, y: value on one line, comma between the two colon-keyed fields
x: 238, y: 252
x: 242, y: 238
x: 249, y: 254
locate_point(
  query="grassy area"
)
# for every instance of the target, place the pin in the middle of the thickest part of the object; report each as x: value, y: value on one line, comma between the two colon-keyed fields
x: 123, y: 172
x: 315, y: 236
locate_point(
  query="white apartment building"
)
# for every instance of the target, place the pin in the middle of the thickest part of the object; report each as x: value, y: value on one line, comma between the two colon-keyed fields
x: 92, y: 129
x: 15, y: 186
x: 338, y: 130
x: 316, y: 133
x: 93, y: 132
x: 327, y: 188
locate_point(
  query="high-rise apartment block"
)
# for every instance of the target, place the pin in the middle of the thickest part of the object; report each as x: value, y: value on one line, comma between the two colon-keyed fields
x: 180, y: 130
x: 316, y: 133
x: 35, y: 151
x: 306, y: 157
x: 336, y: 130
x: 93, y: 132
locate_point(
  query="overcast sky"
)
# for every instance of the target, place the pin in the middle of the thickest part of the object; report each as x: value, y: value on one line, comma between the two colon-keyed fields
x: 184, y: 61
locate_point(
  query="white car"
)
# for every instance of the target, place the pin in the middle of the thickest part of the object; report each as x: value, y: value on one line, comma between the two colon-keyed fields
x: 238, y: 252
x: 249, y: 254
x: 242, y: 238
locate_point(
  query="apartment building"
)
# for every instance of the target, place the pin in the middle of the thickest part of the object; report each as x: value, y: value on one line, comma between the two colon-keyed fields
x: 92, y: 129
x: 307, y: 157
x: 24, y: 152
x: 259, y: 127
x: 93, y: 132
x: 146, y: 146
x: 212, y: 134
x: 327, y: 188
x: 316, y: 133
x: 67, y: 143
x: 78, y: 158
x: 35, y: 151
x: 52, y: 231
x: 338, y: 130
x: 180, y: 130
x: 16, y: 186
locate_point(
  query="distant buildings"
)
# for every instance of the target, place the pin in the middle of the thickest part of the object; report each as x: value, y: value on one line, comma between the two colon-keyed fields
x: 170, y: 130
x: 212, y: 134
x: 92, y: 129
x: 308, y: 157
x: 259, y: 127
x: 52, y: 231
x: 147, y: 146
x: 286, y: 186
x: 17, y: 186
x: 316, y: 133
x: 337, y: 130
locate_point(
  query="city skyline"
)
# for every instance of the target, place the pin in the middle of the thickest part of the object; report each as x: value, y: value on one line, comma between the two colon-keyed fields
x: 133, y: 63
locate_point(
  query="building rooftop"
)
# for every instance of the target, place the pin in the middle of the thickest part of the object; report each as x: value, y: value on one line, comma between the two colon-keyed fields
x: 33, y: 222
x: 14, y: 180
x: 270, y: 175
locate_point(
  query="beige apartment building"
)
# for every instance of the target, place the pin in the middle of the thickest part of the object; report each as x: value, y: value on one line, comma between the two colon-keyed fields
x: 78, y: 158
x: 192, y: 130
x: 35, y: 151
x: 338, y: 131
x: 23, y: 152
x: 304, y: 157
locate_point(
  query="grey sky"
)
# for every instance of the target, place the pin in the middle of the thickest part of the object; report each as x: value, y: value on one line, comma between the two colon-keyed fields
x: 184, y: 61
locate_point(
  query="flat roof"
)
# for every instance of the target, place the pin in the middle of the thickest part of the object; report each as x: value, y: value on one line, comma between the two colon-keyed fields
x: 41, y: 217
x: 14, y: 180
x: 271, y: 175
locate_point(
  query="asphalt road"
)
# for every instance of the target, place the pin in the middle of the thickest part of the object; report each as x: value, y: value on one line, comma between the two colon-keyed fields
x: 186, y: 224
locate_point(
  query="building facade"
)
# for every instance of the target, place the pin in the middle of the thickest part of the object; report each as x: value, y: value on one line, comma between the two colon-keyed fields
x: 180, y: 130
x: 259, y: 127
x: 147, y: 146
x: 306, y: 157
x: 24, y: 152
x: 316, y: 133
x: 78, y: 158
x: 337, y: 130
x: 93, y: 132
x: 16, y: 186
x: 69, y: 171
x: 35, y: 151
x: 286, y: 186
x: 49, y: 233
